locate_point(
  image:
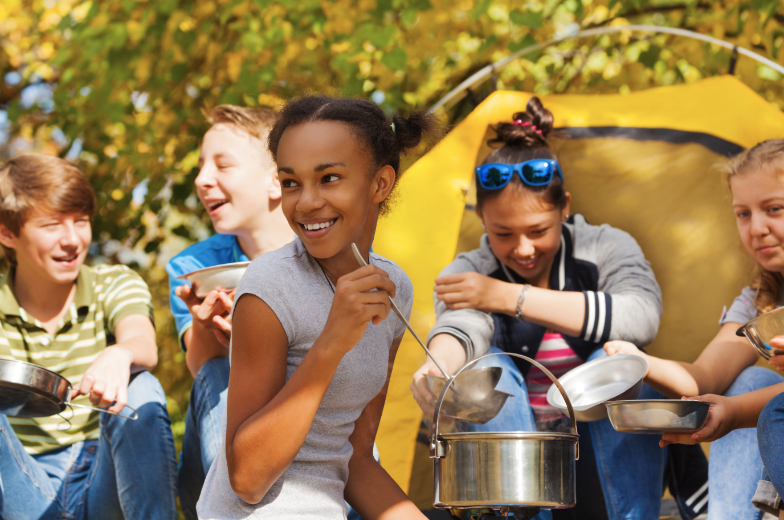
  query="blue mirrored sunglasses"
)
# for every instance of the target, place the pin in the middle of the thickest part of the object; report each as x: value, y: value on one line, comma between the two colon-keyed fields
x: 536, y: 172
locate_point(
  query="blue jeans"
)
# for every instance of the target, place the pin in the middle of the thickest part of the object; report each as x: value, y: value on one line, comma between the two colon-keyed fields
x: 770, y: 434
x: 203, y: 437
x: 127, y: 473
x: 630, y: 467
x: 735, y: 464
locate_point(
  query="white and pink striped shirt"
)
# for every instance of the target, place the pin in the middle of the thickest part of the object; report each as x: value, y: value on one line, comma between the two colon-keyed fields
x: 557, y: 356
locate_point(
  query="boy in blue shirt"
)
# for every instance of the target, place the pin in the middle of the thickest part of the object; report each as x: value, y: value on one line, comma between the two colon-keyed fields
x: 239, y: 187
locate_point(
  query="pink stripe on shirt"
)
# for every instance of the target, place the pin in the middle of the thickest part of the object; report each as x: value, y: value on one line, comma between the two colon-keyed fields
x: 558, y: 357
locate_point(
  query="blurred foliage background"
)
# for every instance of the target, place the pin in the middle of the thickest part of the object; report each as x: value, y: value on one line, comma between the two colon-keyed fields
x: 118, y: 86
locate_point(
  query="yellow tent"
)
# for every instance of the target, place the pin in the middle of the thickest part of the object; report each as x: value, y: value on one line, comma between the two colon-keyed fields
x: 641, y: 162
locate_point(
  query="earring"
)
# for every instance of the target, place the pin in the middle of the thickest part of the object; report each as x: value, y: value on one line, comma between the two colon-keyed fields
x: 566, y: 217
x: 483, y: 223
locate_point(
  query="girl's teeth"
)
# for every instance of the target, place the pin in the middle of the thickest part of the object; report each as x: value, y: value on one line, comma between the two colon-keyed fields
x: 322, y: 225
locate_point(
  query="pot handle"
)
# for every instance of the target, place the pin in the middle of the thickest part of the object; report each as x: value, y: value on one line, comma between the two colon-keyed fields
x: 437, y: 448
x: 131, y: 417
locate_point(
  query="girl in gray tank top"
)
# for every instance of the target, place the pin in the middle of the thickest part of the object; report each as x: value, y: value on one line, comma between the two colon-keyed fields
x: 313, y: 340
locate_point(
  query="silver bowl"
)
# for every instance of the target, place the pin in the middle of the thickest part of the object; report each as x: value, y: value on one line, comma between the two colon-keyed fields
x: 591, y: 384
x: 658, y: 415
x: 762, y: 329
x: 472, y: 397
x: 224, y: 277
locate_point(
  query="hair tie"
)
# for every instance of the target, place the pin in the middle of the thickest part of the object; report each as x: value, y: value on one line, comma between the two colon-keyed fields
x: 538, y: 131
x: 393, y: 127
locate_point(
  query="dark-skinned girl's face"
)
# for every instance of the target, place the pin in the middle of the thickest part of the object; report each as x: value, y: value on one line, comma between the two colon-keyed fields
x: 524, y: 232
x: 331, y: 190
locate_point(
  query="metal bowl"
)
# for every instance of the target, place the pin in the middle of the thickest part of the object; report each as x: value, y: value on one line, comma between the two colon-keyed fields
x: 762, y: 329
x: 474, y: 385
x: 590, y: 385
x: 658, y: 415
x: 224, y: 277
x: 472, y: 396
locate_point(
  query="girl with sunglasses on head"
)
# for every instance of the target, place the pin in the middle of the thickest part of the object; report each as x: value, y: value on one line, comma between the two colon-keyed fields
x: 554, y: 288
x: 313, y: 340
x: 724, y: 373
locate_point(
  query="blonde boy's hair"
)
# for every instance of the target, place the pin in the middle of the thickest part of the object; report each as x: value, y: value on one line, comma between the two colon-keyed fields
x: 256, y: 121
x: 45, y: 182
x: 767, y: 156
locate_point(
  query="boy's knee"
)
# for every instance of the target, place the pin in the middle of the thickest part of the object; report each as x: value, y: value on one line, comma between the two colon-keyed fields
x: 214, y: 370
x: 753, y: 378
x: 772, y: 418
x: 143, y: 389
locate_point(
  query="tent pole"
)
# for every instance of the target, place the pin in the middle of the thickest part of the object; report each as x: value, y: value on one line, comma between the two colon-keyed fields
x: 487, y: 72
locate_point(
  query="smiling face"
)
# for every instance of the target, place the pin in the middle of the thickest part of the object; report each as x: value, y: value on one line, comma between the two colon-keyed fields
x: 524, y: 232
x: 51, y: 245
x: 236, y: 179
x: 331, y: 191
x: 758, y: 204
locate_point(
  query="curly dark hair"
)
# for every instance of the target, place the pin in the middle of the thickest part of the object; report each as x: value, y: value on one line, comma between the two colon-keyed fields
x: 369, y: 123
x: 522, y: 143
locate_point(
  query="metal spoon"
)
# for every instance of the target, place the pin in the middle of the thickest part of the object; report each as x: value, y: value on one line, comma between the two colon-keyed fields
x: 362, y: 262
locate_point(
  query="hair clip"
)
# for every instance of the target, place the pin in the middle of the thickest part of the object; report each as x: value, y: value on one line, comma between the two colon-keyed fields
x: 538, y: 131
x: 393, y: 127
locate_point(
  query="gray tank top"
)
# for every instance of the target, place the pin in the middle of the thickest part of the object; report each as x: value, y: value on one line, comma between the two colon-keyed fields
x: 291, y: 282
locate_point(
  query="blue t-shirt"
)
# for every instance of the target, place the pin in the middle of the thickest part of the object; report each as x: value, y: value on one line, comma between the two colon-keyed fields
x: 216, y: 250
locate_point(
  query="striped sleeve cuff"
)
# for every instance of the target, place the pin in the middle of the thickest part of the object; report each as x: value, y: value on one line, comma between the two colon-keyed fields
x: 598, y: 317
x: 458, y: 334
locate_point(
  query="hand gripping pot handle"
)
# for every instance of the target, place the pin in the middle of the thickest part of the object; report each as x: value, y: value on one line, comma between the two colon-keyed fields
x: 118, y: 414
x: 437, y: 448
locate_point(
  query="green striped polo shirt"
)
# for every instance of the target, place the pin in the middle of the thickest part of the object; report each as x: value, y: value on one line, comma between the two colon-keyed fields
x: 105, y: 294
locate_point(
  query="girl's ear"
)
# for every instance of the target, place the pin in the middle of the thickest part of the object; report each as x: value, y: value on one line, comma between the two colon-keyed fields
x: 7, y: 238
x: 565, y: 212
x: 382, y: 184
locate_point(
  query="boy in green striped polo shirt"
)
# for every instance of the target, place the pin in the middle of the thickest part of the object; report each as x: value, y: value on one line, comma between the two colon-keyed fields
x: 93, y: 326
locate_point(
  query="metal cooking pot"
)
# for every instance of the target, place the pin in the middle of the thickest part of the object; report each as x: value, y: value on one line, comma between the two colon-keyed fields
x: 514, y: 472
x: 27, y: 390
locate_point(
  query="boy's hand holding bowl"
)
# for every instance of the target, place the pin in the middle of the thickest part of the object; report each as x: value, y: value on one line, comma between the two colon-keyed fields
x: 213, y: 312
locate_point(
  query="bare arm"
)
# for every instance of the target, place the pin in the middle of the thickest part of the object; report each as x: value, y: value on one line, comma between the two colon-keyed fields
x: 563, y: 311
x: 370, y: 490
x: 713, y: 372
x: 206, y: 338
x: 268, y: 418
x: 107, y: 378
x: 727, y: 414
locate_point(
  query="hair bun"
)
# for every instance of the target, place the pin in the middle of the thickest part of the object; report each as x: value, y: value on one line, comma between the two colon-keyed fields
x: 527, y: 129
x: 409, y: 131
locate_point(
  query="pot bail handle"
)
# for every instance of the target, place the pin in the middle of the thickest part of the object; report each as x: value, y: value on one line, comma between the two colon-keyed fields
x: 436, y: 446
x: 131, y: 417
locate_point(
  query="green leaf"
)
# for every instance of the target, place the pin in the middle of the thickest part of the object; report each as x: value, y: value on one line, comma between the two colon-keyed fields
x: 532, y: 19
x: 408, y: 17
x: 396, y: 59
x: 527, y: 41
x: 765, y: 72
x: 480, y: 9
x: 650, y: 57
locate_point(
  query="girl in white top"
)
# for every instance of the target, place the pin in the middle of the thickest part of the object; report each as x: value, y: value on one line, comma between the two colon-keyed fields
x: 313, y: 340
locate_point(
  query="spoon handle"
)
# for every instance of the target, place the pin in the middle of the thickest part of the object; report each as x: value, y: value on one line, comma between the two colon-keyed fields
x: 362, y: 262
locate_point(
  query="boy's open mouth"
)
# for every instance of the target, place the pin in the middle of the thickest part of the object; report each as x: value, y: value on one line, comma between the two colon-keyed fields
x: 319, y: 225
x: 215, y: 204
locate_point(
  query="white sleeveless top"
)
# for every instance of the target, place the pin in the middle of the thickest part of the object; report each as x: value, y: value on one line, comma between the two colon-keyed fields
x: 296, y: 289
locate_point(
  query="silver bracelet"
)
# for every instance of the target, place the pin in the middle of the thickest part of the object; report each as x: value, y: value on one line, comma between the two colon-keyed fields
x: 520, y: 300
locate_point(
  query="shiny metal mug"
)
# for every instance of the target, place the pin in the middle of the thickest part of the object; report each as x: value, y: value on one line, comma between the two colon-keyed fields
x: 507, y: 471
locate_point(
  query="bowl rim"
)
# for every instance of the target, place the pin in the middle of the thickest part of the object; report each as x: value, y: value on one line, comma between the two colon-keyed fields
x: 575, y: 372
x: 232, y: 265
x: 656, y: 401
